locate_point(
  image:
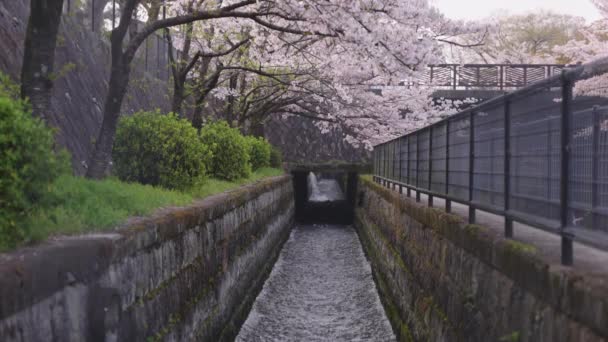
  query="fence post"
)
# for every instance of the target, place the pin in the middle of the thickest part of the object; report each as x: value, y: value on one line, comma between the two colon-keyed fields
x: 430, y: 171
x: 455, y: 77
x: 448, y: 203
x: 501, y: 77
x: 507, y: 168
x: 417, y: 166
x: 567, y: 236
x: 595, y: 167
x: 400, y: 141
x: 409, y: 170
x: 471, y: 165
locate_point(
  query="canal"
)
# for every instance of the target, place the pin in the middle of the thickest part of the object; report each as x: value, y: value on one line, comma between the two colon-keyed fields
x: 320, y: 289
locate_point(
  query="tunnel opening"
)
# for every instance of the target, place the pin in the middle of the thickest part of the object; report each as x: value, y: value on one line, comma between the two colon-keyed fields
x: 325, y: 196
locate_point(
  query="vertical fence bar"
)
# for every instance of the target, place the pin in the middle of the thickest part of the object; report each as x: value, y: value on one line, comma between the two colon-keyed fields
x: 455, y: 77
x: 567, y: 236
x: 471, y: 165
x: 507, y: 168
x: 409, y: 170
x: 595, y: 167
x: 417, y: 166
x: 400, y: 142
x: 448, y: 203
x: 430, y: 171
x: 501, y: 79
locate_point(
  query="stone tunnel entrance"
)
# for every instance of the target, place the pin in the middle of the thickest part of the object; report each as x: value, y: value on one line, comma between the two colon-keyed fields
x: 311, y: 208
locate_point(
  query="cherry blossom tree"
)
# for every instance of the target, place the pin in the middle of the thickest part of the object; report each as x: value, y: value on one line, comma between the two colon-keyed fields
x: 341, y: 46
x: 591, y: 45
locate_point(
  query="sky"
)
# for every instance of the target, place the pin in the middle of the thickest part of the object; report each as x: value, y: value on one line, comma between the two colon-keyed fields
x: 478, y: 9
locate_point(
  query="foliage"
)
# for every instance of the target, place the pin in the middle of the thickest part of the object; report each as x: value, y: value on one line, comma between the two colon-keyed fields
x: 28, y: 167
x: 525, y: 38
x: 276, y: 157
x: 230, y: 150
x: 214, y: 186
x: 77, y: 205
x: 355, y: 43
x: 8, y: 88
x: 160, y: 150
x: 259, y: 152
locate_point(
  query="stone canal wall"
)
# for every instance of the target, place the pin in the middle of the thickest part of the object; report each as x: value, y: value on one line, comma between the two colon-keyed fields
x: 184, y: 274
x: 443, y: 280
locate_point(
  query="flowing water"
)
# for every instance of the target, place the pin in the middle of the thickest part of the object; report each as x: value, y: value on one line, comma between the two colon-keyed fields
x: 320, y: 289
x: 323, y: 190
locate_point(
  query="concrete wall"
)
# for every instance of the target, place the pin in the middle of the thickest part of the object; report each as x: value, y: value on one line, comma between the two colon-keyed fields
x: 185, y: 274
x: 443, y: 280
x: 82, y: 61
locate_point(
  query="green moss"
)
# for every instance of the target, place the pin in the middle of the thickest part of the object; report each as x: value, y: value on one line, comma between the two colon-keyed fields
x: 475, y: 229
x: 512, y: 337
x: 520, y: 247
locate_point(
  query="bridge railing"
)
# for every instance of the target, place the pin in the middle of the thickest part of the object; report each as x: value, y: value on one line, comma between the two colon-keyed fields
x: 529, y: 156
x: 483, y: 76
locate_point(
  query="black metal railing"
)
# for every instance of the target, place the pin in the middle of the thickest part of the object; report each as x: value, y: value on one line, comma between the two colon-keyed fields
x: 531, y: 156
x: 483, y: 76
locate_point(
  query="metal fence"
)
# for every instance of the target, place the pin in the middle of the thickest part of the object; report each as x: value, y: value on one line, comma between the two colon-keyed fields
x: 485, y: 76
x: 538, y: 156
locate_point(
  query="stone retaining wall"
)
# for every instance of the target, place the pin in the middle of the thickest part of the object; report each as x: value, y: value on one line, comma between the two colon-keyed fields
x: 185, y: 274
x: 443, y: 280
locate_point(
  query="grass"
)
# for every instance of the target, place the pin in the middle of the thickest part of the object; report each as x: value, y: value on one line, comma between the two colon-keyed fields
x: 78, y: 205
x: 215, y: 186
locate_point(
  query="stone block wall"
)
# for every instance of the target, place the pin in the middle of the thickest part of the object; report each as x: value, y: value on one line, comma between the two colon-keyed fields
x: 443, y: 280
x: 184, y: 274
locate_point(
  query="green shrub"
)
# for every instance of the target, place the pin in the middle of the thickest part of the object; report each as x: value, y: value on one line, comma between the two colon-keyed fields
x: 8, y: 88
x: 28, y: 167
x: 160, y: 150
x: 259, y: 152
x: 230, y: 151
x: 276, y: 157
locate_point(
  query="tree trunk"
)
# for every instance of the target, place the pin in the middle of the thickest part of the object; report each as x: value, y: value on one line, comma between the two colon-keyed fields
x: 39, y: 54
x: 178, y: 96
x: 102, y: 155
x: 197, y: 116
x: 230, y: 111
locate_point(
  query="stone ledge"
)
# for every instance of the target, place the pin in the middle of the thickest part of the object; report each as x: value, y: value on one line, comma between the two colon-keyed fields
x: 581, y: 297
x: 31, y: 274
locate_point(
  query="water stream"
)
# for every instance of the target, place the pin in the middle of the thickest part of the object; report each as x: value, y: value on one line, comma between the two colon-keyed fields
x: 320, y: 289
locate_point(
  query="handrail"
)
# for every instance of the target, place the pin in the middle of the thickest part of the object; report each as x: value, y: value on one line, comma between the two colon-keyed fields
x: 552, y: 144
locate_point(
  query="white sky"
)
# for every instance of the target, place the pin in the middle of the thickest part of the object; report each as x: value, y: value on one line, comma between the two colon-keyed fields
x: 478, y: 9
